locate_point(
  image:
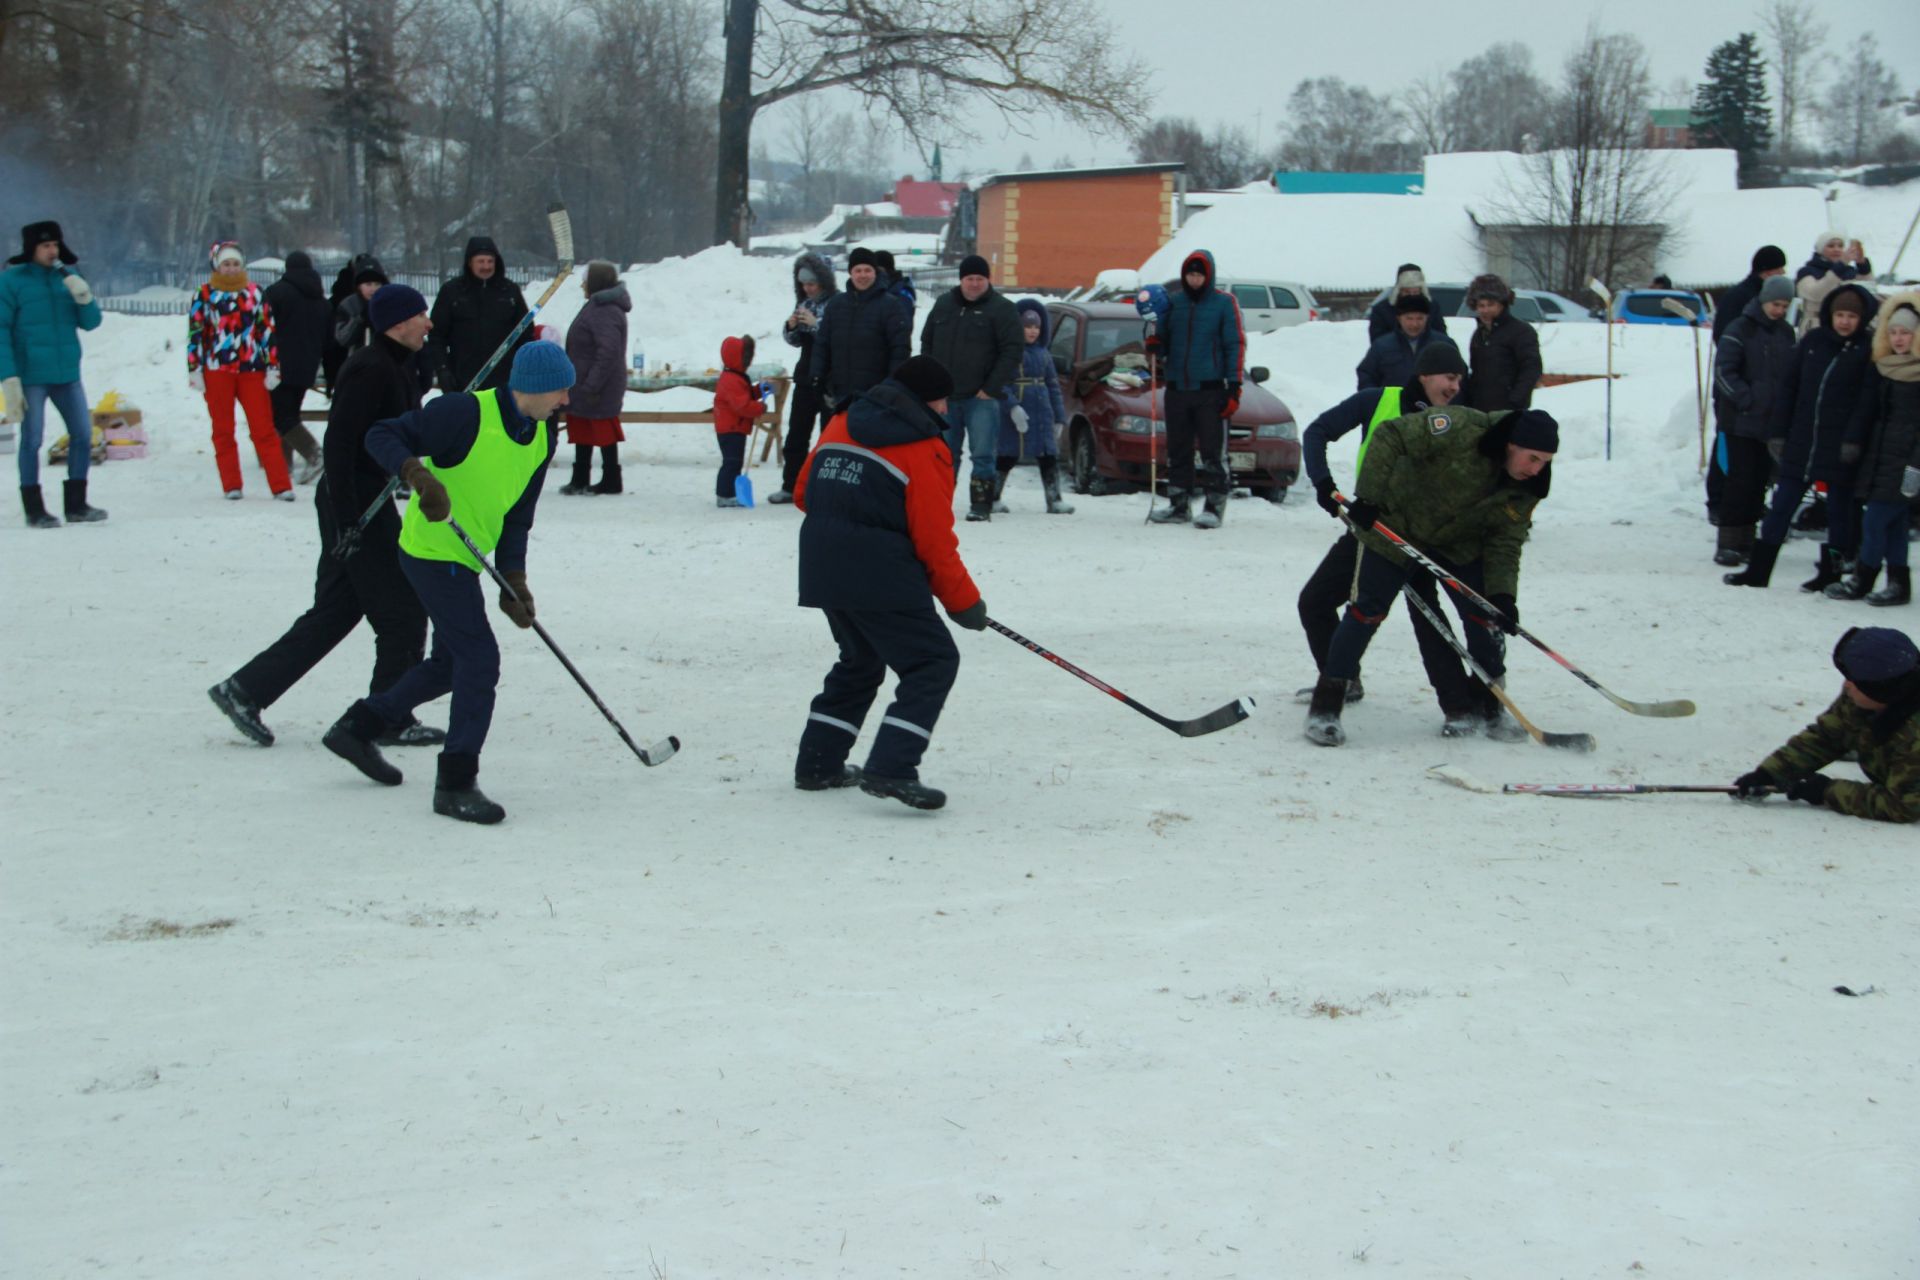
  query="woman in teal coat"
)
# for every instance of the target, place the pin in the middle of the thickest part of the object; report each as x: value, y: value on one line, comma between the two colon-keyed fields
x: 43, y: 308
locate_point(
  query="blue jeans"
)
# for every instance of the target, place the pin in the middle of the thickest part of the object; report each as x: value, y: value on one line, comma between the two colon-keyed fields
x: 976, y: 421
x: 71, y: 400
x: 1883, y: 535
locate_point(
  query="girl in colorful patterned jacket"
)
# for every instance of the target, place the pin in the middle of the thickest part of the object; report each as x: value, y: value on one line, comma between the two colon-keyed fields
x: 231, y: 356
x: 736, y: 403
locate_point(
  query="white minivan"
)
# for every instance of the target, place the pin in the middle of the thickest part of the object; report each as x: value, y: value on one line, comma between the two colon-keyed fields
x: 1266, y: 305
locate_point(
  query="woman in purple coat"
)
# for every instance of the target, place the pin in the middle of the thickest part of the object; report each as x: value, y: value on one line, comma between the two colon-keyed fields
x: 597, y: 345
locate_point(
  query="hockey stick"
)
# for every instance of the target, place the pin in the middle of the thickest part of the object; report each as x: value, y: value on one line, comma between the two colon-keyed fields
x: 660, y: 752
x: 1570, y: 741
x: 1593, y: 789
x: 1219, y: 718
x: 562, y: 227
x: 1679, y: 308
x: 1662, y: 710
x: 1153, y: 423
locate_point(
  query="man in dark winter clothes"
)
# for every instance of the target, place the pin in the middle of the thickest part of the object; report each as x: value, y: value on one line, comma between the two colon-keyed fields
x: 1750, y: 368
x: 362, y: 578
x: 298, y: 304
x: 813, y: 287
x: 1769, y: 260
x: 477, y: 458
x: 44, y: 308
x: 1203, y: 366
x: 974, y: 331
x: 876, y: 550
x: 1389, y: 361
x: 1434, y: 383
x: 1873, y: 721
x: 1461, y: 486
x: 353, y: 287
x: 1813, y: 421
x: 1504, y: 351
x: 473, y: 315
x: 893, y: 279
x: 1408, y: 282
x: 864, y: 333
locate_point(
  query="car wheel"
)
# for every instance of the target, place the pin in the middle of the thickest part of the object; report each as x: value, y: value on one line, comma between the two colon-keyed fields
x: 1276, y: 494
x: 1082, y: 471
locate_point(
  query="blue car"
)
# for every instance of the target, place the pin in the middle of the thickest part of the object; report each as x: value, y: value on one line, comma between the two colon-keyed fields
x: 1648, y: 306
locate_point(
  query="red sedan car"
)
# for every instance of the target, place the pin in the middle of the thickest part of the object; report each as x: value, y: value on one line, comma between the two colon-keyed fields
x: 1109, y: 430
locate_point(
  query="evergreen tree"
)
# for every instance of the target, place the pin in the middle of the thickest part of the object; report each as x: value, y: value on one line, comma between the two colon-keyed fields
x: 1730, y: 109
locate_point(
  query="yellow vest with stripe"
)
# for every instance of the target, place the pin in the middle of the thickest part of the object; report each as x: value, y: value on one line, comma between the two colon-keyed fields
x: 483, y: 486
x: 1386, y: 411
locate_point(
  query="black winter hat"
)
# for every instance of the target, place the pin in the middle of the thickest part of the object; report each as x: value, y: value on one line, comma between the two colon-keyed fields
x: 883, y: 259
x: 299, y: 260
x: 35, y: 234
x: 975, y: 265
x: 1768, y: 257
x: 926, y: 378
x: 1879, y: 660
x: 1439, y: 357
x: 370, y: 272
x: 1412, y: 302
x: 861, y: 257
x: 1535, y: 429
x: 1489, y: 285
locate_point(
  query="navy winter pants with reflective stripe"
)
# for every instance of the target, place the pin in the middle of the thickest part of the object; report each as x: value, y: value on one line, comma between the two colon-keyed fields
x: 1380, y: 582
x: 465, y: 659
x: 918, y: 647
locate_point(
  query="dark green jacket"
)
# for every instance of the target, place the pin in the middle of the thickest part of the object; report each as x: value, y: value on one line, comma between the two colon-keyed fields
x: 1888, y: 744
x: 1439, y: 478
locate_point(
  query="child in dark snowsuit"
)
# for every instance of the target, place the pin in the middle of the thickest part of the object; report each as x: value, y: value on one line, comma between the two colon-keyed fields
x: 1034, y: 411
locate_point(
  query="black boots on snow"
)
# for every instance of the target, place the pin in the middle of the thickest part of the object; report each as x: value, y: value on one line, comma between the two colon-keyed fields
x: 1323, y: 713
x: 1213, y: 513
x: 1857, y: 585
x: 1732, y: 542
x: 36, y: 508
x: 848, y: 776
x: 581, y: 481
x: 352, y: 739
x: 1176, y: 511
x: 1759, y: 570
x: 1828, y: 571
x: 240, y: 708
x: 1050, y: 482
x: 907, y: 791
x: 1899, y: 588
x: 78, y: 512
x: 980, y: 498
x: 609, y: 472
x: 412, y: 734
x: 456, y: 796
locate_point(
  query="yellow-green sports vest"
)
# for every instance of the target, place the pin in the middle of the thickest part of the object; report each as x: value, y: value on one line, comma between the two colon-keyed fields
x: 484, y: 485
x: 1386, y: 411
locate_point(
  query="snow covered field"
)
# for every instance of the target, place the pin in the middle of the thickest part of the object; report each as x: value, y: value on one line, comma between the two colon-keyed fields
x: 1132, y: 1005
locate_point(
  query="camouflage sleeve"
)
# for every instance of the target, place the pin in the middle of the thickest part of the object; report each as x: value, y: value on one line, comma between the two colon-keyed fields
x: 1814, y: 747
x: 1897, y: 801
x: 1502, y: 554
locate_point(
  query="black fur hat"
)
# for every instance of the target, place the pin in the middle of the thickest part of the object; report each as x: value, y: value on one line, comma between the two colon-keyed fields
x: 35, y: 234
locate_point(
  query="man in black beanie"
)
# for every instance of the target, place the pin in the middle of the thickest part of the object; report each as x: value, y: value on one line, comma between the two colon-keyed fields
x: 1389, y: 361
x: 1769, y: 260
x: 974, y: 331
x: 865, y: 332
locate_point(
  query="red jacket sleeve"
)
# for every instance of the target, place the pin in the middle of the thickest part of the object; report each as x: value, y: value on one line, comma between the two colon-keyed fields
x: 735, y: 405
x: 930, y: 523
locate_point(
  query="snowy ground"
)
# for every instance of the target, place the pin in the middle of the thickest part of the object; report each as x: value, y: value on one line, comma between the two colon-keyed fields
x: 1133, y: 1005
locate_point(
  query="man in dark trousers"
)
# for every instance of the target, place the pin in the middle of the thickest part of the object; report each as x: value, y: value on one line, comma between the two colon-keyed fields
x: 362, y: 578
x: 974, y: 332
x: 1203, y: 364
x: 1769, y: 260
x: 1504, y: 351
x: 298, y: 303
x: 477, y: 458
x: 1435, y: 382
x: 473, y: 315
x: 876, y: 550
x: 813, y: 288
x: 865, y: 333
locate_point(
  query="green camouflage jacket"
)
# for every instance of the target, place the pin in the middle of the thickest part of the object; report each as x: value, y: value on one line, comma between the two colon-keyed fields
x: 1439, y: 478
x: 1892, y: 766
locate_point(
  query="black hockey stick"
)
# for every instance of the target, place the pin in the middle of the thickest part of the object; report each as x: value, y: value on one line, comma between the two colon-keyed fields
x: 1591, y: 789
x: 1212, y: 722
x: 561, y: 224
x: 1570, y: 741
x: 1664, y: 710
x: 660, y: 752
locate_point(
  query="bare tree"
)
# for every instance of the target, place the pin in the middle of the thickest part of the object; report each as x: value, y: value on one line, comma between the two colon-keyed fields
x: 1797, y: 38
x: 922, y: 63
x: 1333, y: 125
x: 1226, y: 158
x: 1428, y: 107
x: 1499, y: 103
x: 1859, y: 108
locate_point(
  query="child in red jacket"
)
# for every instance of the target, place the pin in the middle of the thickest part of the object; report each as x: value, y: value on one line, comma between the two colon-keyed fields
x: 736, y: 403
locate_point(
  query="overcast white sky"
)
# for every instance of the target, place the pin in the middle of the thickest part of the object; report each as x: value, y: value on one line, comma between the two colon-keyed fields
x: 1236, y: 61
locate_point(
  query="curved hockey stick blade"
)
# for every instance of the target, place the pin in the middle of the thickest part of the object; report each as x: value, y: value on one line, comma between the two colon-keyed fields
x: 1214, y: 721
x: 659, y: 753
x: 1460, y: 778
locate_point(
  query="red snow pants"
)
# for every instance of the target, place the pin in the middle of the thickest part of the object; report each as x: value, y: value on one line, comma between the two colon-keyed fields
x: 224, y: 386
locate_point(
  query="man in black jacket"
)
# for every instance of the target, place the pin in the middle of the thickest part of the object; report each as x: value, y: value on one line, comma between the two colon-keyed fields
x: 1504, y: 352
x: 974, y: 332
x: 864, y: 335
x: 298, y: 305
x: 1769, y: 260
x: 376, y: 383
x: 473, y: 315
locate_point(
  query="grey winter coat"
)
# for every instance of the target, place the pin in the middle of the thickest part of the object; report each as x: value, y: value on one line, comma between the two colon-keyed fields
x: 1750, y: 368
x: 801, y: 336
x: 597, y: 345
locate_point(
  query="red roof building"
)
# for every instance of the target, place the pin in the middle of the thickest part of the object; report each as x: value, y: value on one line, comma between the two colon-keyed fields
x: 926, y: 199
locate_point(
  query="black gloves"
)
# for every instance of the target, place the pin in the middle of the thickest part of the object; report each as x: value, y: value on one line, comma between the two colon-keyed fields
x: 520, y: 610
x: 1812, y: 788
x: 1755, y: 785
x: 349, y: 543
x: 434, y: 502
x: 1510, y: 621
x: 1323, y: 491
x: 973, y: 617
x: 1363, y: 514
x: 1232, y: 406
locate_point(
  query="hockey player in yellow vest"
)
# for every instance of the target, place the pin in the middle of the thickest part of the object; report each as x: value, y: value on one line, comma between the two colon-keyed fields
x: 477, y: 458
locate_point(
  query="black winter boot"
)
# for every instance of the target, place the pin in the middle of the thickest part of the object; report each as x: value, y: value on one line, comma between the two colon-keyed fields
x: 1730, y: 544
x: 1050, y: 482
x: 1857, y: 585
x: 582, y: 479
x: 1759, y: 570
x: 1899, y: 588
x: 412, y: 734
x: 1176, y: 511
x: 609, y: 471
x: 849, y: 775
x: 36, y: 508
x: 907, y: 791
x: 352, y: 739
x: 456, y: 796
x: 240, y: 708
x: 980, y: 498
x: 1827, y: 572
x: 74, y: 495
x: 1323, y: 713
x: 1002, y: 469
x: 1213, y: 513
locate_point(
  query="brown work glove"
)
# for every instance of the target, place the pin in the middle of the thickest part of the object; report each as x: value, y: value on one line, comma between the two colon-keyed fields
x: 434, y: 503
x: 520, y: 610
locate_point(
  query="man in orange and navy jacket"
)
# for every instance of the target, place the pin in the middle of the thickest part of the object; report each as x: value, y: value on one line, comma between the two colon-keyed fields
x: 877, y: 548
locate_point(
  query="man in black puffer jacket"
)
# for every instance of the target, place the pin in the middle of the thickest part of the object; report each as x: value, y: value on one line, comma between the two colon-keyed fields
x: 473, y: 315
x: 1750, y: 367
x: 974, y: 332
x: 298, y: 304
x: 864, y: 334
x: 376, y: 382
x: 1504, y: 352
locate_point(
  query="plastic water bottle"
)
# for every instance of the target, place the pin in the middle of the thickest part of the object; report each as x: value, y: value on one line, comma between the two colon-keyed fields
x: 639, y: 362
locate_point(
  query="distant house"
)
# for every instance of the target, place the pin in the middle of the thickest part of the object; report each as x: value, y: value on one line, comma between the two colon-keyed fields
x: 1059, y: 229
x: 1669, y: 128
x: 1302, y: 183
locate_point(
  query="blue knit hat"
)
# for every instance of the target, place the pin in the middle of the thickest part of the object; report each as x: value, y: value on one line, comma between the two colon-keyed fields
x: 540, y: 367
x: 393, y: 304
x: 1877, y: 659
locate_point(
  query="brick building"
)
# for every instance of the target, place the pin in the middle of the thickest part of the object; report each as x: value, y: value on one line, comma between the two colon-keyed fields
x: 1060, y: 229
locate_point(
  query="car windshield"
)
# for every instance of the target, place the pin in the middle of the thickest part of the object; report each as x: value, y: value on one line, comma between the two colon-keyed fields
x: 1447, y: 298
x: 1106, y: 336
x: 1652, y: 304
